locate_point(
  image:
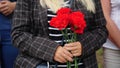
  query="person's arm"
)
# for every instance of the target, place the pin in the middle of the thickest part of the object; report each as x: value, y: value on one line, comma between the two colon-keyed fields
x: 7, y: 7
x: 114, y: 32
x: 23, y: 39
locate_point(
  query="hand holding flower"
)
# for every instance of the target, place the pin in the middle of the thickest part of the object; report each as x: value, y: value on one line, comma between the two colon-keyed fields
x: 62, y: 55
x: 75, y: 48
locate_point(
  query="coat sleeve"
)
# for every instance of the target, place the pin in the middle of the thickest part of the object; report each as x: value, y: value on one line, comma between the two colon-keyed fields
x: 93, y: 39
x: 22, y: 38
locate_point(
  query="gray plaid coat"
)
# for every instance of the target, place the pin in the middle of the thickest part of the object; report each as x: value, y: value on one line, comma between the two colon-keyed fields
x: 30, y: 34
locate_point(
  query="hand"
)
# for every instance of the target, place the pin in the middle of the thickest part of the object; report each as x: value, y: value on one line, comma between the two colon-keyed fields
x: 7, y: 7
x: 62, y: 55
x: 75, y: 48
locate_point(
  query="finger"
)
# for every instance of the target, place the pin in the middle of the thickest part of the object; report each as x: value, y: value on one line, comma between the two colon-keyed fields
x: 67, y: 55
x: 4, y: 9
x: 3, y: 2
x: 77, y: 54
x: 7, y: 13
x: 70, y: 48
x: 58, y: 55
x: 74, y: 44
x: 67, y: 52
x: 60, y: 59
x: 70, y: 45
x: 75, y: 51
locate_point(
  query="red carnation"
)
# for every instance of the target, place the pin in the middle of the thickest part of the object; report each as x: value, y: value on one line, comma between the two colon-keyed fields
x: 60, y: 21
x: 77, y: 22
x: 66, y: 17
x: 63, y: 11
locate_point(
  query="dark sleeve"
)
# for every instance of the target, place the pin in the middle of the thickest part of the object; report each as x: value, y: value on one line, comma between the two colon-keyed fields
x: 93, y: 40
x: 22, y: 38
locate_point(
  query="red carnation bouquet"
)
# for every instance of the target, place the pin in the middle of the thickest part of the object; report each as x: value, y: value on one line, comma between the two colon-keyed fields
x: 75, y: 19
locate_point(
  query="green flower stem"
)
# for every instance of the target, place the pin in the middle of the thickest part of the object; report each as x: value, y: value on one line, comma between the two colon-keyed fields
x: 68, y: 64
x: 65, y: 35
x: 75, y: 62
x: 72, y: 39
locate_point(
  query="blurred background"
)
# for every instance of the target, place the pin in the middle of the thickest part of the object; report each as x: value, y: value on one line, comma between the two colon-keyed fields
x: 100, y: 58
